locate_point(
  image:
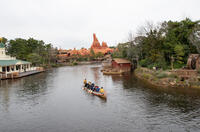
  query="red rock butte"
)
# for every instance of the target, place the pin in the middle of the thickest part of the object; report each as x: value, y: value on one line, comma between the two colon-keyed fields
x: 97, y: 48
x: 95, y: 43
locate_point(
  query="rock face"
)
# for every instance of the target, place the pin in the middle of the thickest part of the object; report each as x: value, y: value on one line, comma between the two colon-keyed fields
x: 104, y: 45
x: 97, y: 48
x: 64, y: 55
x: 95, y: 43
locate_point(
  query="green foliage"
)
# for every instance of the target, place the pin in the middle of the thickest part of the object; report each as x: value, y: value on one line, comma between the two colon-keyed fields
x: 179, y: 52
x: 35, y: 51
x: 81, y: 58
x: 74, y: 63
x: 178, y: 65
x: 122, y: 51
x: 146, y: 76
x: 99, y: 55
x: 92, y: 52
x: 161, y: 75
x: 163, y: 46
x: 144, y: 62
x: 173, y: 76
x: 34, y: 58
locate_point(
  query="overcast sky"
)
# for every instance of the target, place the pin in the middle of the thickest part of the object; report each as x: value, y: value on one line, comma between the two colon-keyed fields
x: 71, y: 23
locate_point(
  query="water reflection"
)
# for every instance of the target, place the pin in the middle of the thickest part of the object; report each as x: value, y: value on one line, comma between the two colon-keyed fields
x: 96, y: 73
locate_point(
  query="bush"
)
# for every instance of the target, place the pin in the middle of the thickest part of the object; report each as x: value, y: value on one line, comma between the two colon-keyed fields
x: 178, y: 65
x: 82, y: 59
x: 146, y: 76
x: 161, y: 75
x: 173, y: 76
x: 74, y: 63
x: 144, y: 62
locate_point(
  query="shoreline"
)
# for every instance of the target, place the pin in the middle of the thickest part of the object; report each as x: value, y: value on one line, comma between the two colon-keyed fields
x: 161, y: 83
x: 76, y: 63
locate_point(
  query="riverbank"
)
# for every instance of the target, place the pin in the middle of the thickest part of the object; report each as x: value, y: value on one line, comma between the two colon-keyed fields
x: 74, y: 63
x: 165, y: 79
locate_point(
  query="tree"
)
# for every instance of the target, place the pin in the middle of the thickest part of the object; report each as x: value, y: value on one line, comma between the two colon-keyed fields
x: 27, y: 49
x: 167, y: 44
x: 194, y: 37
x: 99, y: 55
x: 34, y: 58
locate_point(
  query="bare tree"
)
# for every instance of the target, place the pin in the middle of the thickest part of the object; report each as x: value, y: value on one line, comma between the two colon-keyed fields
x: 131, y: 38
x: 194, y: 37
x: 143, y: 30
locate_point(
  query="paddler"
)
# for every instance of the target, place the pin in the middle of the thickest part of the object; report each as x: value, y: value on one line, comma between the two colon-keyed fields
x: 101, y: 90
x: 85, y: 81
x: 97, y: 88
x: 89, y: 85
x: 92, y: 87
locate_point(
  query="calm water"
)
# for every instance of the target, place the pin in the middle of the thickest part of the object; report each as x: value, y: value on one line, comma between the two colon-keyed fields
x: 54, y: 102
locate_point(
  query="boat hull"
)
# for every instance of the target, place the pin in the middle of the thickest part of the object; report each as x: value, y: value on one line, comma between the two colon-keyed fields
x: 96, y: 93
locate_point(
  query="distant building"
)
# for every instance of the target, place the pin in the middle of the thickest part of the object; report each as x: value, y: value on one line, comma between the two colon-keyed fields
x: 10, y: 66
x: 121, y: 65
x: 62, y: 56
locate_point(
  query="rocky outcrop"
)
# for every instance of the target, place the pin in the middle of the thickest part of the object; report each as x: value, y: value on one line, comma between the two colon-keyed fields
x: 95, y: 43
x: 97, y: 48
x: 104, y: 45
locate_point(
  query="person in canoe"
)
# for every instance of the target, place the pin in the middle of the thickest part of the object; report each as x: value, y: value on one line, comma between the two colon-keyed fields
x: 97, y: 89
x: 101, y: 90
x: 89, y: 85
x: 85, y: 81
x: 92, y: 87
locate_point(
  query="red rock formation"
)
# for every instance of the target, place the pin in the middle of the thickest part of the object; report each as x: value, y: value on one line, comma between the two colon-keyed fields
x: 95, y: 43
x: 104, y: 45
x: 63, y: 55
x: 96, y: 47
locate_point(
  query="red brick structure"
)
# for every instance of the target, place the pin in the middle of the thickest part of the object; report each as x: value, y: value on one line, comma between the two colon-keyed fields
x: 121, y: 65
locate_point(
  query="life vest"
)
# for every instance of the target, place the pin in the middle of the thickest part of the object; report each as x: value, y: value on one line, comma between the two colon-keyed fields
x: 101, y: 90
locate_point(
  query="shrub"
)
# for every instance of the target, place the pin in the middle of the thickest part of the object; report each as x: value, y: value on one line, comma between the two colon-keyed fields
x: 173, y: 76
x: 146, y: 76
x: 144, y: 62
x: 161, y: 75
x: 178, y: 65
x: 74, y: 63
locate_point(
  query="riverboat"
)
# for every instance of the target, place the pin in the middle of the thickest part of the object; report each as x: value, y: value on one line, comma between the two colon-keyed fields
x: 104, y: 96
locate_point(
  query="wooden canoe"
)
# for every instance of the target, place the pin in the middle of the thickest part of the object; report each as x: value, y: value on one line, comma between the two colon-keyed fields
x: 104, y: 96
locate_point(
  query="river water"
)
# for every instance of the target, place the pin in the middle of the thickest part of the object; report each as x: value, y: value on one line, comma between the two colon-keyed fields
x: 54, y: 102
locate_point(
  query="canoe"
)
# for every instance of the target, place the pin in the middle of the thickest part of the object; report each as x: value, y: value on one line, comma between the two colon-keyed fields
x: 96, y: 93
x: 112, y: 73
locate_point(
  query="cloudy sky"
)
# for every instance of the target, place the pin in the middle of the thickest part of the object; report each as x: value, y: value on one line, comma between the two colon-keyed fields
x: 71, y: 23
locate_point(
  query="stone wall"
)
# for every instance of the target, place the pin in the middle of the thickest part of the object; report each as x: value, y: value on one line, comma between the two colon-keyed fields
x: 185, y: 73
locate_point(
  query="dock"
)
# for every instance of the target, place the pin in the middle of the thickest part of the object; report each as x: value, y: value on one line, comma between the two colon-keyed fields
x: 28, y: 73
x: 20, y: 75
